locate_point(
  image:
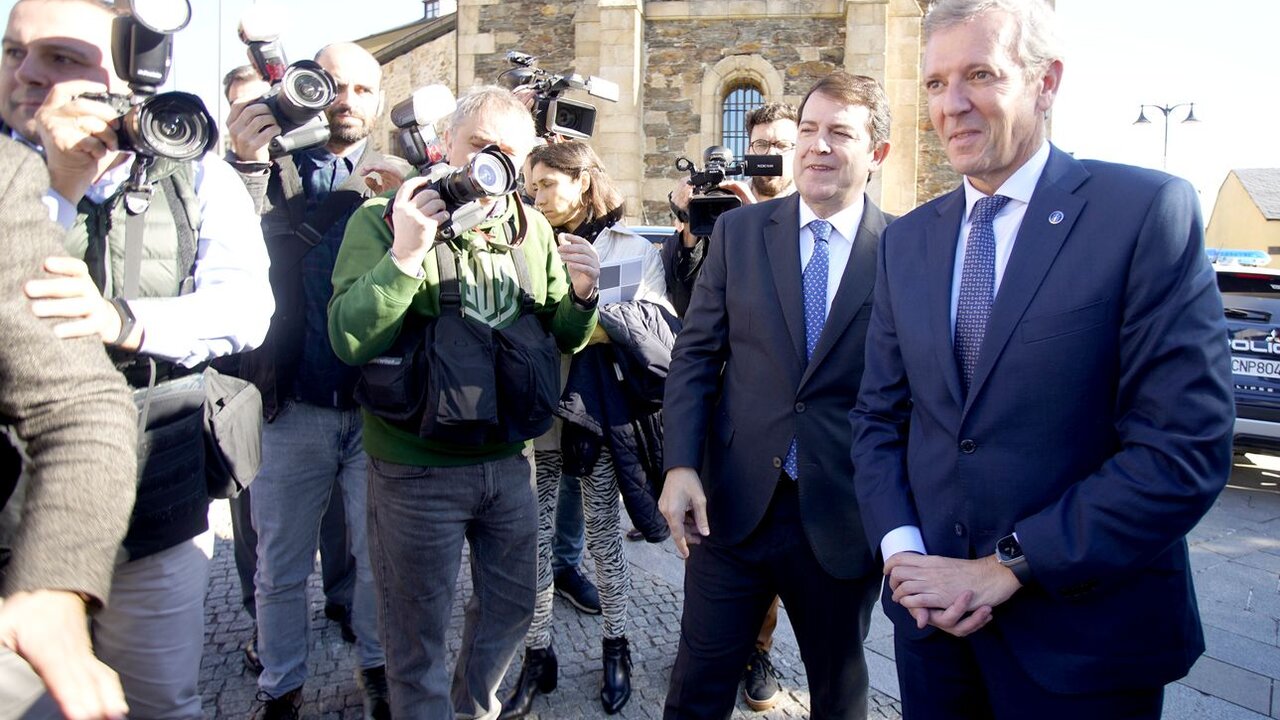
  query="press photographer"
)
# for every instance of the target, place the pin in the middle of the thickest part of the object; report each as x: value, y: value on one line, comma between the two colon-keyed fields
x: 176, y: 276
x: 457, y: 468
x: 312, y: 442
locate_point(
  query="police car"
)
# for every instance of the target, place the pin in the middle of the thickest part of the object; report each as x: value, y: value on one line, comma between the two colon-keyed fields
x: 1251, y: 299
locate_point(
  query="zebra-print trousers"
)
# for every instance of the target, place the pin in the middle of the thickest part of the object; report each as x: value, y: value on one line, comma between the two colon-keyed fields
x: 600, y: 510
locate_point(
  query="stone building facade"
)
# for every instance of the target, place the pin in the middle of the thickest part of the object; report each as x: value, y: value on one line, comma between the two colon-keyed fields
x: 675, y: 61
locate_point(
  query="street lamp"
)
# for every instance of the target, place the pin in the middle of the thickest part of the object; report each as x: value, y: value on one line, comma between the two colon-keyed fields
x: 1165, y: 110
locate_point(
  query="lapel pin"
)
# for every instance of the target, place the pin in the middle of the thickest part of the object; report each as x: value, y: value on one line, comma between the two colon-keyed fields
x: 1055, y: 217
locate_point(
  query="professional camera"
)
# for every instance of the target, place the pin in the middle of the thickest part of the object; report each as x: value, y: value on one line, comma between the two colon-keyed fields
x: 709, y: 200
x: 489, y: 174
x: 552, y: 114
x: 172, y: 125
x: 300, y: 93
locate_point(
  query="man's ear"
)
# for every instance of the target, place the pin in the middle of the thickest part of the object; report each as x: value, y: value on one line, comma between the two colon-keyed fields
x: 1049, y: 84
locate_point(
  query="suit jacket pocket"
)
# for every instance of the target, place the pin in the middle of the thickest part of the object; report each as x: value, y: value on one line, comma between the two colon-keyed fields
x: 1046, y: 327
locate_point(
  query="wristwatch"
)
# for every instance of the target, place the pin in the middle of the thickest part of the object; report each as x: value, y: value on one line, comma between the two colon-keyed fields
x: 127, y: 320
x: 1009, y: 553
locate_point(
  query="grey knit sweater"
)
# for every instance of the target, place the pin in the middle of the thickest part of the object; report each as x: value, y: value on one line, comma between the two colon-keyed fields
x: 67, y: 403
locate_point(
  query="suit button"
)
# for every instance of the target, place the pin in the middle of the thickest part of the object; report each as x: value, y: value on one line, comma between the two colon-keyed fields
x: 777, y: 462
x: 968, y: 446
x: 799, y: 407
x: 959, y: 530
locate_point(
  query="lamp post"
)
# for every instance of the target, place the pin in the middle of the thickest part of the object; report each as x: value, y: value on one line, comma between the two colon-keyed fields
x: 1165, y: 110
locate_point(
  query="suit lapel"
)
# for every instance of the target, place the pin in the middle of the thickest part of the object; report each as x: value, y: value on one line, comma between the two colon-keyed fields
x: 855, y: 284
x: 783, y: 249
x: 941, y: 238
x: 1037, y: 245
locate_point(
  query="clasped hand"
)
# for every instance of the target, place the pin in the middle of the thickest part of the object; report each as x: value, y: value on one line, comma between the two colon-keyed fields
x: 954, y: 595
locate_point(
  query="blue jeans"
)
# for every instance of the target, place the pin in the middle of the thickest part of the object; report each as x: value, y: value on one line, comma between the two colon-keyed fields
x: 304, y: 451
x: 418, y: 520
x: 566, y: 548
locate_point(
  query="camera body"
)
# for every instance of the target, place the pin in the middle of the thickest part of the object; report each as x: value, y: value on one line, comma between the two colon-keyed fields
x: 553, y: 114
x: 300, y: 93
x: 490, y: 173
x: 709, y: 200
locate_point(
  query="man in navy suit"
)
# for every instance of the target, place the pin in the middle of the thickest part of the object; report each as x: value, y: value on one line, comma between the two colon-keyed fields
x: 1046, y: 407
x: 762, y: 379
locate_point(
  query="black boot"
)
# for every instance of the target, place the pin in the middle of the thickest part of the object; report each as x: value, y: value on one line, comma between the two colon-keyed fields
x: 615, y: 690
x: 537, y: 675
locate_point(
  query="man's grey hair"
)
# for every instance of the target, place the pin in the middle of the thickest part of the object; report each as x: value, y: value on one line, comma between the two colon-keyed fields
x: 1035, y: 44
x: 494, y: 99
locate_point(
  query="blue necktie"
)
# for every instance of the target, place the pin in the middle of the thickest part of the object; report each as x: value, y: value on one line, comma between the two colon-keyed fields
x: 977, y: 286
x: 815, y: 310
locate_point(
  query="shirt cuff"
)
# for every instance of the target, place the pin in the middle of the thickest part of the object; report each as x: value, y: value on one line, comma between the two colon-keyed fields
x: 904, y: 538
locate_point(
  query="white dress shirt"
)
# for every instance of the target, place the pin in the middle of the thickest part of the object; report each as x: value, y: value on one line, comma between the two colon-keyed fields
x: 1018, y: 188
x: 844, y: 226
x: 231, y: 307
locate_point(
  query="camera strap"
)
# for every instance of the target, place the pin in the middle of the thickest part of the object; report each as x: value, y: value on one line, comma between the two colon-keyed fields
x: 135, y: 230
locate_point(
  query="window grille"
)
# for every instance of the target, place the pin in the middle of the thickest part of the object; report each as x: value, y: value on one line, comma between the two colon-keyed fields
x: 738, y: 101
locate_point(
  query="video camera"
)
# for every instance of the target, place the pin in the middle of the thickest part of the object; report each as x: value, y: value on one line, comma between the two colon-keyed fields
x: 299, y: 94
x: 172, y: 125
x: 552, y: 114
x: 709, y: 200
x: 490, y: 173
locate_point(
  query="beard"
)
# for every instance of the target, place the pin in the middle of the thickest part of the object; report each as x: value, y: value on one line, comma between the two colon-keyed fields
x: 346, y: 133
x: 768, y: 186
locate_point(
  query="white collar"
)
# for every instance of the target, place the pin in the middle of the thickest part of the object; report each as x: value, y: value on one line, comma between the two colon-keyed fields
x: 1020, y: 185
x: 844, y: 222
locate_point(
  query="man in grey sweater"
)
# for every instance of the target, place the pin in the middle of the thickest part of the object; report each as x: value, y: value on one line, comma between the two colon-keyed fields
x: 74, y: 414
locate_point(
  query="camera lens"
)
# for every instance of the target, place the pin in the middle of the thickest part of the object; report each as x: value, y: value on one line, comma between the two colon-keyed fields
x: 172, y: 125
x: 305, y: 91
x: 490, y: 176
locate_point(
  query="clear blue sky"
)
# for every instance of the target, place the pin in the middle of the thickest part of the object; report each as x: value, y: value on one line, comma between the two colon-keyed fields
x: 1219, y: 54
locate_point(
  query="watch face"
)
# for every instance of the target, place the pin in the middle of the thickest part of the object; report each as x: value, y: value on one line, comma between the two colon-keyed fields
x: 1008, y: 548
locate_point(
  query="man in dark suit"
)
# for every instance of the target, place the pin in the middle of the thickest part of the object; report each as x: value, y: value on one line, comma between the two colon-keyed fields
x: 762, y: 378
x: 1031, y: 482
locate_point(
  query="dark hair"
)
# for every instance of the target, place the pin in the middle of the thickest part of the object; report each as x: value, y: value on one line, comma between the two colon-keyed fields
x: 572, y: 158
x: 771, y: 112
x: 857, y: 90
x: 240, y: 74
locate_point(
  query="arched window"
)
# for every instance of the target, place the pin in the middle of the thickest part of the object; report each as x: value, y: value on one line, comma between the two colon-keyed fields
x: 738, y: 101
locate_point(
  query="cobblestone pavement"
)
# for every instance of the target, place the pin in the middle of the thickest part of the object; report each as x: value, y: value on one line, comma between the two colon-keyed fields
x: 331, y: 694
x: 1235, y: 554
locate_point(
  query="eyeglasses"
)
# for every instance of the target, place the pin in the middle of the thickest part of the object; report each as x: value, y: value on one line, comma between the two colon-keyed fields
x: 760, y: 147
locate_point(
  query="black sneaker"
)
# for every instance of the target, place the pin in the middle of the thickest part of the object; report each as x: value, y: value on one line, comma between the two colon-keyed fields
x: 251, y: 659
x: 760, y: 682
x: 578, y: 590
x: 341, y: 614
x: 284, y: 707
x: 377, y: 702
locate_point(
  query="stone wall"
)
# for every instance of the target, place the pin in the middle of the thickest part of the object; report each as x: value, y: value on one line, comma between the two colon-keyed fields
x: 424, y: 65
x: 681, y: 54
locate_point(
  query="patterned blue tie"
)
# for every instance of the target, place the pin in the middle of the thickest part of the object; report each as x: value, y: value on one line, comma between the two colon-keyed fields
x: 977, y: 285
x: 815, y: 309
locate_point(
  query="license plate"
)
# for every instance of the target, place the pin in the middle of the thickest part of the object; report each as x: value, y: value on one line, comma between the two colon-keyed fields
x: 1257, y: 367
